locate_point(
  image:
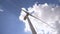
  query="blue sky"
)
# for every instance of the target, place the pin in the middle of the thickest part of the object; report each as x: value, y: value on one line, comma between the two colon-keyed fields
x: 9, y: 18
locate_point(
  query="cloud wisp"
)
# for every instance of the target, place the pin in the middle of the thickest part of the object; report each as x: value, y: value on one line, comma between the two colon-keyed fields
x: 45, y: 12
x: 1, y: 10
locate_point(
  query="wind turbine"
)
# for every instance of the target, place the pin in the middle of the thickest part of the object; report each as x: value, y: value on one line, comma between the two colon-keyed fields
x: 31, y: 26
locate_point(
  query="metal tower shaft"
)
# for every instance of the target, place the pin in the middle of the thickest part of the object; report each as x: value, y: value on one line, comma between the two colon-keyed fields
x: 31, y: 26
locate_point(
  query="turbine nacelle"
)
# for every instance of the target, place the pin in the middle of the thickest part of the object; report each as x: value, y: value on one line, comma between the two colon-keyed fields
x: 27, y: 14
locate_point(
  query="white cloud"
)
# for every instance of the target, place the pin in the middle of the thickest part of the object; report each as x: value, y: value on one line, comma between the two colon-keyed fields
x: 1, y: 10
x: 45, y: 12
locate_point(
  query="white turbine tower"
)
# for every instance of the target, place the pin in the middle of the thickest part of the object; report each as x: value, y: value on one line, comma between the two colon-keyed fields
x: 31, y: 26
